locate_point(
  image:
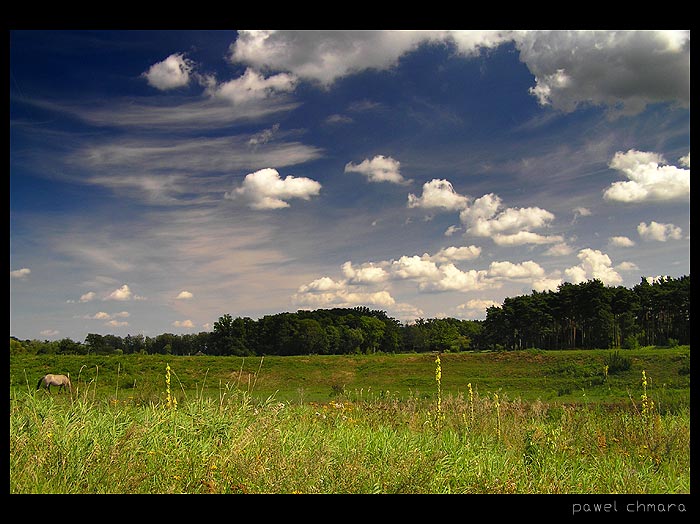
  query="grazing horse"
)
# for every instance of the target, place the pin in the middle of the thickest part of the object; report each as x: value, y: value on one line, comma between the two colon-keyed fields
x: 49, y: 380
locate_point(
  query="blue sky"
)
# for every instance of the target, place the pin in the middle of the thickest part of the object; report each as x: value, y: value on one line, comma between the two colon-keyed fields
x: 160, y: 179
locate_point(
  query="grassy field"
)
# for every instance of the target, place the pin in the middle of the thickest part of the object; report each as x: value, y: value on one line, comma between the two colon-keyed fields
x: 515, y: 422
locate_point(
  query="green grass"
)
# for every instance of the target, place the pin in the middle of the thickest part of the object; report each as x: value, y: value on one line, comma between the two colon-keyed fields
x: 572, y: 376
x: 361, y: 424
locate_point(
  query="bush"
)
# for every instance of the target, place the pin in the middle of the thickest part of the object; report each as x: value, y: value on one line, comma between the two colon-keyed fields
x: 617, y: 363
x: 631, y: 342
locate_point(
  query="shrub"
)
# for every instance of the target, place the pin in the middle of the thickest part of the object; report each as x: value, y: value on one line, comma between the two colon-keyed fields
x: 617, y: 363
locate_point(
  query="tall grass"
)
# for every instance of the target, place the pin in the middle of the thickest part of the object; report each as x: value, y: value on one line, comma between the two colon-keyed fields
x: 358, y: 442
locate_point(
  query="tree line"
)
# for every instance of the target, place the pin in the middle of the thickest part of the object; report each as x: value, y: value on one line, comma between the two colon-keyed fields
x: 592, y: 315
x: 584, y: 315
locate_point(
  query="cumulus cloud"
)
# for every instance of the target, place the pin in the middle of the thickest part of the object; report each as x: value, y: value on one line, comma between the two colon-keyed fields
x: 252, y: 86
x: 415, y: 267
x: 438, y: 194
x: 454, y: 279
x: 658, y: 232
x: 188, y: 324
x: 87, y: 297
x: 184, y: 295
x: 457, y: 253
x: 594, y: 265
x: 510, y: 226
x: 559, y: 250
x: 621, y: 241
x: 648, y: 179
x: 322, y: 284
x: 20, y: 273
x: 123, y: 294
x: 341, y: 296
x: 546, y: 284
x: 324, y: 56
x: 365, y: 274
x: 379, y: 169
x: 265, y: 189
x: 171, y: 73
x: 476, y: 307
x: 511, y: 271
x: 101, y: 315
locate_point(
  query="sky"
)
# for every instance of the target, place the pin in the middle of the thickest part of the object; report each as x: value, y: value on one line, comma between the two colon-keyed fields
x: 161, y: 179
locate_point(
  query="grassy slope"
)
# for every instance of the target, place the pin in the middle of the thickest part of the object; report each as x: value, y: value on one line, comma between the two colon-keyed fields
x: 551, y: 376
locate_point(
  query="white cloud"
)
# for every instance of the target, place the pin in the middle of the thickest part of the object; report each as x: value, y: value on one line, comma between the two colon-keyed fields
x: 171, y: 73
x: 87, y: 297
x: 627, y: 266
x: 265, y: 189
x: 621, y: 241
x: 183, y: 324
x: 183, y: 295
x: 476, y: 308
x: 580, y: 212
x: 594, y: 265
x: 658, y: 232
x: 559, y: 250
x: 20, y: 273
x: 546, y: 284
x: 322, y: 284
x: 524, y: 237
x: 252, y: 87
x: 122, y: 294
x: 415, y: 267
x: 324, y: 56
x: 508, y: 270
x: 648, y: 180
x: 509, y: 227
x: 452, y: 230
x: 365, y: 274
x: 339, y: 296
x: 457, y: 253
x: 101, y: 315
x: 264, y: 136
x: 454, y: 279
x: 379, y: 169
x: 438, y: 194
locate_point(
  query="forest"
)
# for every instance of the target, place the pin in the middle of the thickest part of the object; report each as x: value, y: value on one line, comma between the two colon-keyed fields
x: 587, y: 315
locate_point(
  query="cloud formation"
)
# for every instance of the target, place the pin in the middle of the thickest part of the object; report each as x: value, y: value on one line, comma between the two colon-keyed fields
x: 251, y: 86
x: 658, y: 232
x: 20, y: 273
x: 594, y: 265
x: 622, y: 70
x: 648, y: 179
x: 438, y: 194
x: 265, y: 189
x: 171, y: 73
x: 379, y: 169
x: 511, y: 226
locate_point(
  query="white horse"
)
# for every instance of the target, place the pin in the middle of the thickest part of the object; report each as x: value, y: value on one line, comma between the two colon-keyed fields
x: 49, y: 380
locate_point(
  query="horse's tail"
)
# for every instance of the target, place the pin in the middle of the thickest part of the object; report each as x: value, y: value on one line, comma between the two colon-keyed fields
x: 38, y: 384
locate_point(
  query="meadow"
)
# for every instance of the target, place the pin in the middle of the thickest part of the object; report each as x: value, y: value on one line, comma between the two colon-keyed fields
x: 528, y: 422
